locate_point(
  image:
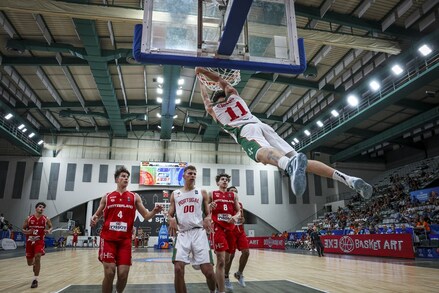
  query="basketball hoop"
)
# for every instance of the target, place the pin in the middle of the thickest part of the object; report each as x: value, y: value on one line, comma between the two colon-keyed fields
x: 232, y: 76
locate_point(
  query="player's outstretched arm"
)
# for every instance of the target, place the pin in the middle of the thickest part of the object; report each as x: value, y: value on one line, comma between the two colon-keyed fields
x: 144, y: 211
x: 216, y: 78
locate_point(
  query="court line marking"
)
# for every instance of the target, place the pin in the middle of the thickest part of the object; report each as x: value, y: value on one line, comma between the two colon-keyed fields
x: 62, y: 289
x: 306, y: 285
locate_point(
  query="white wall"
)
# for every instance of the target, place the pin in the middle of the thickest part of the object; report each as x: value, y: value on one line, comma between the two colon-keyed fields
x: 99, y: 149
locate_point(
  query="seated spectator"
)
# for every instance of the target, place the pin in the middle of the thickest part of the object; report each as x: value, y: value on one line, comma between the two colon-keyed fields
x: 61, y: 242
x: 422, y: 223
x: 391, y: 230
x: 404, y: 229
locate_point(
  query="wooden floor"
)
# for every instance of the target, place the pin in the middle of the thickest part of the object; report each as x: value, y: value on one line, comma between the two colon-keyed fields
x: 332, y: 273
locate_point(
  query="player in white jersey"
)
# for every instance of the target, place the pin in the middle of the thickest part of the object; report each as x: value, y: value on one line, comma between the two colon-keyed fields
x: 189, y: 214
x: 262, y: 143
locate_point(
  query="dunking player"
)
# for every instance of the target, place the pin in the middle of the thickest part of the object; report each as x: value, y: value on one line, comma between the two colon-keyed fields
x: 262, y: 143
x: 225, y: 213
x: 119, y: 210
x: 189, y: 214
x: 34, y: 228
x: 239, y: 240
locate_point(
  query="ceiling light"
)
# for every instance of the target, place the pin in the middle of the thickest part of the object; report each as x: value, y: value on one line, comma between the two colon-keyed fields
x: 160, y: 79
x: 159, y: 91
x: 319, y: 123
x: 353, y: 100
x: 24, y: 130
x: 296, y: 140
x: 397, y: 69
x: 21, y: 126
x: 334, y: 113
x: 293, y: 143
x: 159, y: 100
x: 40, y: 142
x: 307, y: 132
x: 425, y: 50
x: 158, y: 115
x: 374, y: 85
x: 178, y: 101
x: 179, y: 92
x: 8, y: 116
x: 172, y: 127
x: 181, y: 81
x: 159, y: 127
x: 31, y: 135
x: 175, y: 116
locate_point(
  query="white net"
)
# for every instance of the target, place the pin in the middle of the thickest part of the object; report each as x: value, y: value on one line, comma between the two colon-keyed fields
x: 232, y: 76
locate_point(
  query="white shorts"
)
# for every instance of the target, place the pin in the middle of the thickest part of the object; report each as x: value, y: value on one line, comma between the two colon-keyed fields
x: 192, y: 246
x: 255, y: 136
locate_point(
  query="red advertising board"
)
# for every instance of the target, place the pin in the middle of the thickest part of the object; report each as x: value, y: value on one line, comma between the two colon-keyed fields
x: 391, y: 245
x: 266, y: 242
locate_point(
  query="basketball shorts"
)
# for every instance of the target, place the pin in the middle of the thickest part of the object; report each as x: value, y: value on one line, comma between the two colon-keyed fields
x: 254, y: 136
x: 222, y: 238
x: 192, y: 246
x: 118, y: 252
x: 241, y: 239
x: 34, y: 247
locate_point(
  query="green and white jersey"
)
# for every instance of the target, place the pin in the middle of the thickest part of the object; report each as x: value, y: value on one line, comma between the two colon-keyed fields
x: 233, y: 114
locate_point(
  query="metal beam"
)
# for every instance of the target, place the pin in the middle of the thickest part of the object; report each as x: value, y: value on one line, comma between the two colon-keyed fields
x: 171, y: 74
x: 387, y: 135
x: 432, y: 73
x: 352, y: 21
x: 303, y: 83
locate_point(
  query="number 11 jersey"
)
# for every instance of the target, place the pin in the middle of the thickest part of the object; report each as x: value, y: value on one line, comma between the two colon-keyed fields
x: 234, y: 113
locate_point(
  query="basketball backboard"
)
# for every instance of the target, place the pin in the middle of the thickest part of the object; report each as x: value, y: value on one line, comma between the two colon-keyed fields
x: 245, y: 34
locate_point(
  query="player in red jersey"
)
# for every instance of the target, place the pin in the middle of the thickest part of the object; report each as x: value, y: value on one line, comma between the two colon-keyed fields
x: 225, y: 213
x: 35, y: 227
x: 241, y: 243
x: 119, y: 210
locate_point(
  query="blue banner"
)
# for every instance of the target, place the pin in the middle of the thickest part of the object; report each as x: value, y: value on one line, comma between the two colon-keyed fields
x: 423, y: 194
x: 427, y: 252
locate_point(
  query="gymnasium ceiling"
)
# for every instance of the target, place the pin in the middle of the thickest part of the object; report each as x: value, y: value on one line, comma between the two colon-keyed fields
x: 70, y: 72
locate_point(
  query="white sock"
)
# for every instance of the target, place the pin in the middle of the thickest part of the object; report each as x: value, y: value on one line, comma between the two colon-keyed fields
x: 36, y: 278
x: 283, y: 162
x: 342, y: 177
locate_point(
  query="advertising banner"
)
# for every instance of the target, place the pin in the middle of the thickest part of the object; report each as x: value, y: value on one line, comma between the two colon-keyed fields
x: 423, y: 194
x: 266, y: 242
x: 390, y: 245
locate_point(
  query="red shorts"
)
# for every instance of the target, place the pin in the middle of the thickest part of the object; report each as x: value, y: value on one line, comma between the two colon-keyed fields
x: 221, y: 238
x: 118, y: 252
x: 241, y: 241
x: 34, y: 247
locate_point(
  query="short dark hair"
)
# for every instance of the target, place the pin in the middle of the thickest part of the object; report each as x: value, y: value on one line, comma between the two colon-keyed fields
x: 121, y: 170
x: 40, y: 204
x: 217, y: 95
x: 228, y: 188
x: 218, y: 177
x: 189, y: 167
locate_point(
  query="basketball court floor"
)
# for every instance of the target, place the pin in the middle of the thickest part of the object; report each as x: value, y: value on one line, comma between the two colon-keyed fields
x: 78, y: 270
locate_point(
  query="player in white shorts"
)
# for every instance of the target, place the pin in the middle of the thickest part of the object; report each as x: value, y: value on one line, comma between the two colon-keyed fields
x: 189, y: 214
x: 262, y: 143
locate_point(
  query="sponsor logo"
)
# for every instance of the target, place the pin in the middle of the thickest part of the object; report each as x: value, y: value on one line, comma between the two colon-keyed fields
x: 346, y: 244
